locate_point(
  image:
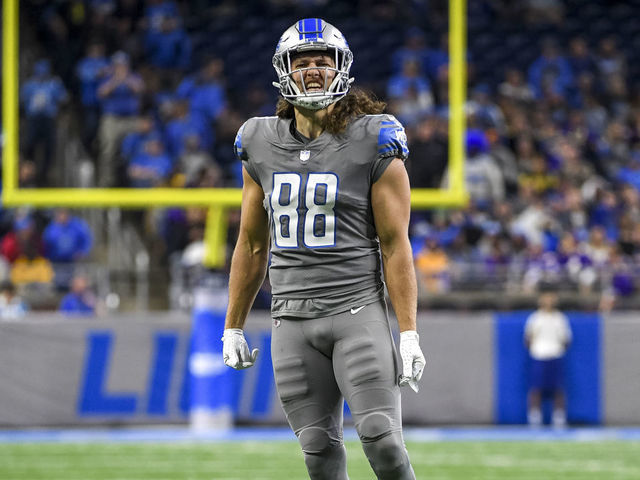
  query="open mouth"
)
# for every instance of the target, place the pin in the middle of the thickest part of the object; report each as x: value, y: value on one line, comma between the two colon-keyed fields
x: 314, y: 87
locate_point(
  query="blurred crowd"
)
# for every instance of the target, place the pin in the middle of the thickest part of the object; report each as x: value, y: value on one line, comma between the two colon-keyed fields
x: 552, y: 170
x: 41, y: 263
x: 155, y: 91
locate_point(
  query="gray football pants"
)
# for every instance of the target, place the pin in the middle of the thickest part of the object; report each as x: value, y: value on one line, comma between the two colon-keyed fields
x: 319, y: 361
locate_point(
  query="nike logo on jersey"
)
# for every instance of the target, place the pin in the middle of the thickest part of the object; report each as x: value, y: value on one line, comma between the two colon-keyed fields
x: 356, y: 310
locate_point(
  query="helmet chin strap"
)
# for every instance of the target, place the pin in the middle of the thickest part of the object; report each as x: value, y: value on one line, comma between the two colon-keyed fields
x: 313, y: 103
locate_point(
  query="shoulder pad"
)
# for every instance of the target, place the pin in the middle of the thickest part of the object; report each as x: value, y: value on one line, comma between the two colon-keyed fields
x: 237, y: 144
x: 392, y: 139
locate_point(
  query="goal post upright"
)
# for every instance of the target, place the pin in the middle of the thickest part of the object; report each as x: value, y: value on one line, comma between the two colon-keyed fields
x: 218, y: 200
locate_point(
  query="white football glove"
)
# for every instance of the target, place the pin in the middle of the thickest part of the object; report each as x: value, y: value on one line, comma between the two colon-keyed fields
x: 413, y: 361
x: 235, y: 351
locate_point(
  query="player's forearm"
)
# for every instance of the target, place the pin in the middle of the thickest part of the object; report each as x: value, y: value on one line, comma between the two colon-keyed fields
x: 248, y: 269
x: 399, y: 275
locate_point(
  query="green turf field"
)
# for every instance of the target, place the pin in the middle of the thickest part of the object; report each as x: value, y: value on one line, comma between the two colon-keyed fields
x: 535, y: 460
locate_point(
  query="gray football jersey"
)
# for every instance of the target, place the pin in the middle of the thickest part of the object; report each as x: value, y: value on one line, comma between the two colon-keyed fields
x: 325, y: 255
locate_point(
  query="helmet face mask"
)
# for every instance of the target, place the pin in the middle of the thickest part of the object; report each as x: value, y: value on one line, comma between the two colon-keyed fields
x: 313, y: 35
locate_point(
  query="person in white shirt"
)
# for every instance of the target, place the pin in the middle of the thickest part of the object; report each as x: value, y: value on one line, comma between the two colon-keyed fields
x: 12, y: 307
x: 547, y: 336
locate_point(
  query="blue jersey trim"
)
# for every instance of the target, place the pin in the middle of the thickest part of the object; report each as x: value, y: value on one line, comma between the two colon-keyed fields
x: 392, y: 139
x: 237, y: 144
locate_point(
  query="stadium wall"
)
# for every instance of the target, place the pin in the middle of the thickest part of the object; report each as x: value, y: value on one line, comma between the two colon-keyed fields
x: 56, y: 371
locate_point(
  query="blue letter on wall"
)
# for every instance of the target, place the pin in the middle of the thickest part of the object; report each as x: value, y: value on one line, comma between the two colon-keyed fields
x: 160, y: 379
x: 94, y: 400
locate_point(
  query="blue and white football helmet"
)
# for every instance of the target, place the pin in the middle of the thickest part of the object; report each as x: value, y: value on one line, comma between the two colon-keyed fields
x: 312, y: 34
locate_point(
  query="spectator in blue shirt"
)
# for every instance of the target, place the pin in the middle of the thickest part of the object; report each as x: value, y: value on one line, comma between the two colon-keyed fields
x: 205, y: 90
x: 41, y: 97
x: 438, y: 58
x: 90, y: 71
x: 151, y: 167
x: 580, y: 58
x: 630, y: 173
x: 550, y: 72
x: 169, y: 47
x: 133, y: 143
x: 610, y: 60
x: 156, y: 10
x: 120, y: 99
x: 438, y: 69
x: 80, y: 301
x: 410, y: 76
x: 484, y: 111
x: 186, y: 123
x: 483, y: 178
x: 414, y: 49
x: 410, y: 94
x: 66, y: 240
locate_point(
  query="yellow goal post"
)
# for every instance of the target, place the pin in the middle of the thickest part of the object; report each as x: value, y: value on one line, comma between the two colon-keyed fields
x: 217, y: 200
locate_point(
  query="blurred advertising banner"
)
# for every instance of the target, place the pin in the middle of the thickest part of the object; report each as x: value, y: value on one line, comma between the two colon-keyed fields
x: 135, y: 369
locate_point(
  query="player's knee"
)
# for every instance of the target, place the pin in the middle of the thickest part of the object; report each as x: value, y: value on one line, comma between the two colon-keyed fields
x: 387, y: 452
x: 324, y: 457
x: 314, y: 440
x: 384, y: 448
x: 374, y: 426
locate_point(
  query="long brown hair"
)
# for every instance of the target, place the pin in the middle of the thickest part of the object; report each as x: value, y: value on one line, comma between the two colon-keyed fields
x: 356, y: 102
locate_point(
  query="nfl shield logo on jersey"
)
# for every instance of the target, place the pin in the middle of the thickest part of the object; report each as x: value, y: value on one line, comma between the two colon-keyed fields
x: 304, y: 155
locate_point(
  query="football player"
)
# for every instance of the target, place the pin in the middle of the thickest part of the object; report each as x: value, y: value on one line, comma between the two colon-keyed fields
x: 326, y: 192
